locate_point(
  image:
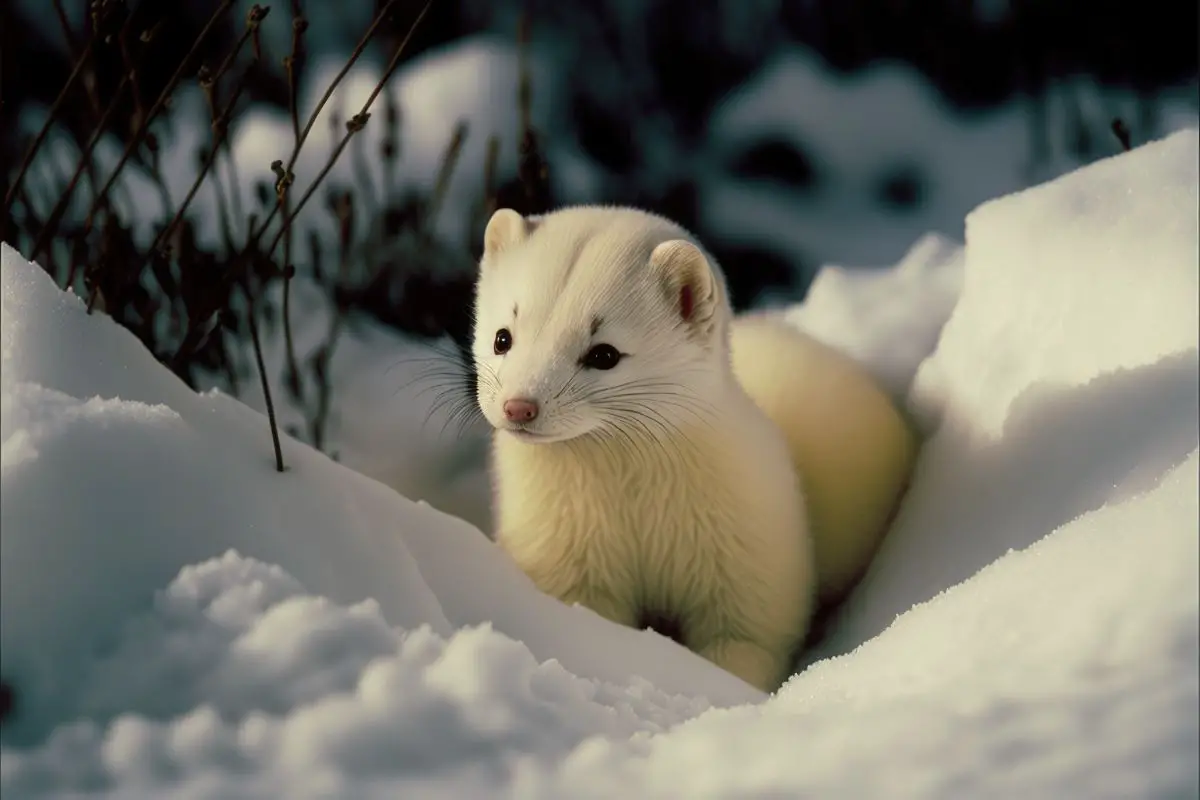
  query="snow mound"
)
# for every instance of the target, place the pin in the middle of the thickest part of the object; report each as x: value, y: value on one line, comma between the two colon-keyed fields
x: 317, y: 693
x: 1067, y: 670
x: 906, y: 306
x: 179, y: 620
x: 1065, y: 379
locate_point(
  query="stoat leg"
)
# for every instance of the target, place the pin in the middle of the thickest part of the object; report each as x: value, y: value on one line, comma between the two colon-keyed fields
x: 751, y: 662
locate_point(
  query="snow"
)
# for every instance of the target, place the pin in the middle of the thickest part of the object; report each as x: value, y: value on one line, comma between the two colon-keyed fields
x: 907, y: 306
x: 1071, y: 356
x: 180, y: 620
x: 884, y: 122
x: 387, y: 417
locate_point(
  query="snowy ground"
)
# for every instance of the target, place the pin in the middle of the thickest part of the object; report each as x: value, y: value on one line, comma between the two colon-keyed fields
x: 179, y: 620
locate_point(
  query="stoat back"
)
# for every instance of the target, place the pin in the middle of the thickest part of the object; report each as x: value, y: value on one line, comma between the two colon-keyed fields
x: 852, y: 447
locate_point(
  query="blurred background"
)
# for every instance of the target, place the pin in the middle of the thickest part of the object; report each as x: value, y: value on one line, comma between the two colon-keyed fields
x: 787, y: 134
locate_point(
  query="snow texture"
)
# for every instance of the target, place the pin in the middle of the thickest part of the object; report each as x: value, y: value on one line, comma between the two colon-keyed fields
x: 178, y: 620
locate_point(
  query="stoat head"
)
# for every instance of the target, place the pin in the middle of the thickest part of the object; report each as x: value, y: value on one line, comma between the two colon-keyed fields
x: 596, y: 321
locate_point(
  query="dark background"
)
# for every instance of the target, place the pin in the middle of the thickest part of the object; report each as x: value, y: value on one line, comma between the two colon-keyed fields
x: 670, y: 60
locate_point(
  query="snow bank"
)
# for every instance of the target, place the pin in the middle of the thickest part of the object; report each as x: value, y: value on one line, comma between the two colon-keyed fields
x: 1065, y: 379
x: 116, y: 476
x: 1030, y: 629
x: 1066, y: 670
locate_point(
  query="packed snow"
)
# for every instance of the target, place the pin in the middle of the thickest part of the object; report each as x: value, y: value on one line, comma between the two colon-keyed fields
x: 177, y: 619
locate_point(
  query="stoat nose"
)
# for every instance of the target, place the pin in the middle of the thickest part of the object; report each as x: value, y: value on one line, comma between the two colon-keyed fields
x: 520, y: 410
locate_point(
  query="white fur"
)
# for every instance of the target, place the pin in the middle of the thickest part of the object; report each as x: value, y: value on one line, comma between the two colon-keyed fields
x: 851, y: 446
x: 658, y: 486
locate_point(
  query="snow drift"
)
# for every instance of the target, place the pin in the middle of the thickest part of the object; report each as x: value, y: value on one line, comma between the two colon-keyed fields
x: 179, y: 620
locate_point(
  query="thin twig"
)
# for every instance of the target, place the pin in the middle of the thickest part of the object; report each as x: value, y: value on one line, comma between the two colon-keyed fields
x: 139, y: 112
x: 220, y: 128
x: 220, y: 119
x: 73, y: 45
x: 262, y: 373
x: 354, y: 56
x: 445, y: 170
x: 312, y: 118
x: 283, y: 184
x: 89, y: 83
x: 167, y: 91
x: 1121, y: 131
x: 54, y: 219
x: 531, y: 167
x: 291, y: 64
x: 489, y: 175
x: 36, y: 144
x: 357, y: 122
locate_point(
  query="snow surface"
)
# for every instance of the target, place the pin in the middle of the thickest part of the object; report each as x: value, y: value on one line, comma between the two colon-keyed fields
x: 180, y: 620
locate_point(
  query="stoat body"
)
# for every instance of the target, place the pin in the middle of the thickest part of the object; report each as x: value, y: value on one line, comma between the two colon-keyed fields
x: 633, y: 472
x: 853, y: 449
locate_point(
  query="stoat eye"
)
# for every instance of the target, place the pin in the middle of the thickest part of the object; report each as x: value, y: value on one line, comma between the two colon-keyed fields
x: 601, y: 356
x: 503, y: 342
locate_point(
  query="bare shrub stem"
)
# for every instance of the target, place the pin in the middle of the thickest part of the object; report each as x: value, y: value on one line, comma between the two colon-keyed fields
x: 252, y: 323
x: 283, y: 184
x: 355, y: 123
x: 1121, y: 131
x: 143, y: 126
x: 36, y: 144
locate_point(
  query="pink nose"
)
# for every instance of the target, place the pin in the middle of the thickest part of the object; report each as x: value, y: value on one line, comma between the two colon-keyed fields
x: 520, y: 410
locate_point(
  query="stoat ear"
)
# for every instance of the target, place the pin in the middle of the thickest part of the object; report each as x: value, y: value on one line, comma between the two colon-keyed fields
x: 688, y: 281
x: 505, y: 229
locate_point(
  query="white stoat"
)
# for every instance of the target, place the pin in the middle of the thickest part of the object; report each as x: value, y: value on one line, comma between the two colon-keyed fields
x: 633, y: 473
x: 852, y: 447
